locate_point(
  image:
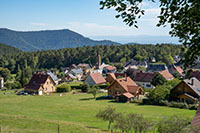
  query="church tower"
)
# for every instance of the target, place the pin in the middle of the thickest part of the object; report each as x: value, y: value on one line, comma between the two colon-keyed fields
x: 98, y: 59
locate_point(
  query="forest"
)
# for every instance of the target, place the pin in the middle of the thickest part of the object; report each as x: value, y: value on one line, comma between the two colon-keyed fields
x: 16, y: 59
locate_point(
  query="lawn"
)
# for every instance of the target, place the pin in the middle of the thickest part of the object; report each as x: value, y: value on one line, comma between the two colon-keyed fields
x: 74, y: 112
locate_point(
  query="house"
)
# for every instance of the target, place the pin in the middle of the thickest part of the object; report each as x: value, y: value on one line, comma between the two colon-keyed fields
x: 143, y: 79
x: 109, y: 69
x: 95, y: 78
x: 78, y: 73
x: 74, y: 73
x: 69, y: 77
x: 156, y: 67
x: 176, y: 59
x: 85, y: 67
x: 110, y: 78
x: 132, y: 72
x: 53, y: 76
x: 175, y: 69
x: 166, y: 75
x: 187, y: 91
x: 1, y: 82
x: 124, y: 88
x: 135, y: 64
x: 40, y: 83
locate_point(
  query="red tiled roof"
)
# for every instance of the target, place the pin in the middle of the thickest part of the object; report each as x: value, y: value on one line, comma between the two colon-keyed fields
x: 128, y: 95
x: 98, y: 78
x: 133, y: 89
x: 179, y: 70
x: 144, y: 77
x: 166, y: 75
x: 196, y: 119
x: 110, y: 77
x: 127, y: 83
x: 110, y: 67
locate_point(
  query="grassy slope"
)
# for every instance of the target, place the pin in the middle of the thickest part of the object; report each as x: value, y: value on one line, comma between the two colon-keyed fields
x: 75, y: 112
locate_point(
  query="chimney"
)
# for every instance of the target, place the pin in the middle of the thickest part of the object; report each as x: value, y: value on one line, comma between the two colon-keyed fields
x: 192, y: 83
x: 125, y: 76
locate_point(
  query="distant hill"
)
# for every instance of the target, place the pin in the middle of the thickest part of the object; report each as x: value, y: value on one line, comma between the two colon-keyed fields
x: 8, y: 50
x: 48, y: 39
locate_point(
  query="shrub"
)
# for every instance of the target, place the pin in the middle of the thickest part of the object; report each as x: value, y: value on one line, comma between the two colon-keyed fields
x: 76, y: 86
x: 192, y: 106
x: 84, y: 87
x: 15, y: 85
x: 63, y: 88
x: 103, y: 86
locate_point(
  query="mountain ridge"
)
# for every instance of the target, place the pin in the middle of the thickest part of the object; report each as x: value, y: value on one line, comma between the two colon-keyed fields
x: 47, y: 39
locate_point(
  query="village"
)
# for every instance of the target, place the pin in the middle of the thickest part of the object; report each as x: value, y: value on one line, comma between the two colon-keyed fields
x: 131, y: 85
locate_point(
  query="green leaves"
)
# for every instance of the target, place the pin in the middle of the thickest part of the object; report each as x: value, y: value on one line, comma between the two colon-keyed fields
x: 182, y: 15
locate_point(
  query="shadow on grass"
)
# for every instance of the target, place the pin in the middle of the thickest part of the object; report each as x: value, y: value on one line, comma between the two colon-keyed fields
x: 113, y: 101
x: 90, y: 98
x: 98, y: 98
x: 102, y: 98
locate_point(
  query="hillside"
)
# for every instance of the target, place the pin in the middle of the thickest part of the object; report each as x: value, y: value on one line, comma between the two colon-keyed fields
x: 8, y: 50
x: 49, y: 39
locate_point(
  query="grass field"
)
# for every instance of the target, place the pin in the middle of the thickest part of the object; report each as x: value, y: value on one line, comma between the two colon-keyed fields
x: 74, y: 112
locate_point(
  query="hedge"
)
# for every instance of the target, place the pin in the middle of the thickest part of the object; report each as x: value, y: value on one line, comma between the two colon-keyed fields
x: 63, y: 88
x: 171, y: 104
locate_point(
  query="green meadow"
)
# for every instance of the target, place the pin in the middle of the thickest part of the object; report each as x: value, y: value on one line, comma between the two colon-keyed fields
x: 73, y: 113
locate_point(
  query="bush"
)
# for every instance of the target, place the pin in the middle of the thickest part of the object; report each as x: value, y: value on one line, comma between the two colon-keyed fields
x: 63, y: 88
x: 76, y: 86
x: 103, y: 86
x: 15, y: 85
x: 192, y: 106
x: 84, y: 87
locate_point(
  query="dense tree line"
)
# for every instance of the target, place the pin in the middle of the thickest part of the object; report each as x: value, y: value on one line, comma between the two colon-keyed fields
x: 65, y: 57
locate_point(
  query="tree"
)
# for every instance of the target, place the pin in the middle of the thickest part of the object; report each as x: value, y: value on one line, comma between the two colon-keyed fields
x: 139, y: 123
x: 84, y: 87
x: 94, y: 90
x: 173, y: 124
x: 132, y: 121
x: 122, y: 123
x: 108, y: 114
x: 159, y: 93
x: 158, y: 79
x: 5, y: 73
x: 25, y: 76
x: 182, y: 15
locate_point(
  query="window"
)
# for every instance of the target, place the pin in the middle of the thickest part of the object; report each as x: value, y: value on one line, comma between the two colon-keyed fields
x: 148, y: 85
x: 52, y: 88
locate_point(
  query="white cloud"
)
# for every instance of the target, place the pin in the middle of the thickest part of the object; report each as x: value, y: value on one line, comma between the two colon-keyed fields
x: 146, y: 27
x: 152, y: 11
x: 39, y: 24
x: 94, y: 29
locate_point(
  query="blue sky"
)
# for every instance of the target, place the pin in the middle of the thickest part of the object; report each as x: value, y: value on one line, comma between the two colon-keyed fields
x: 82, y: 16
